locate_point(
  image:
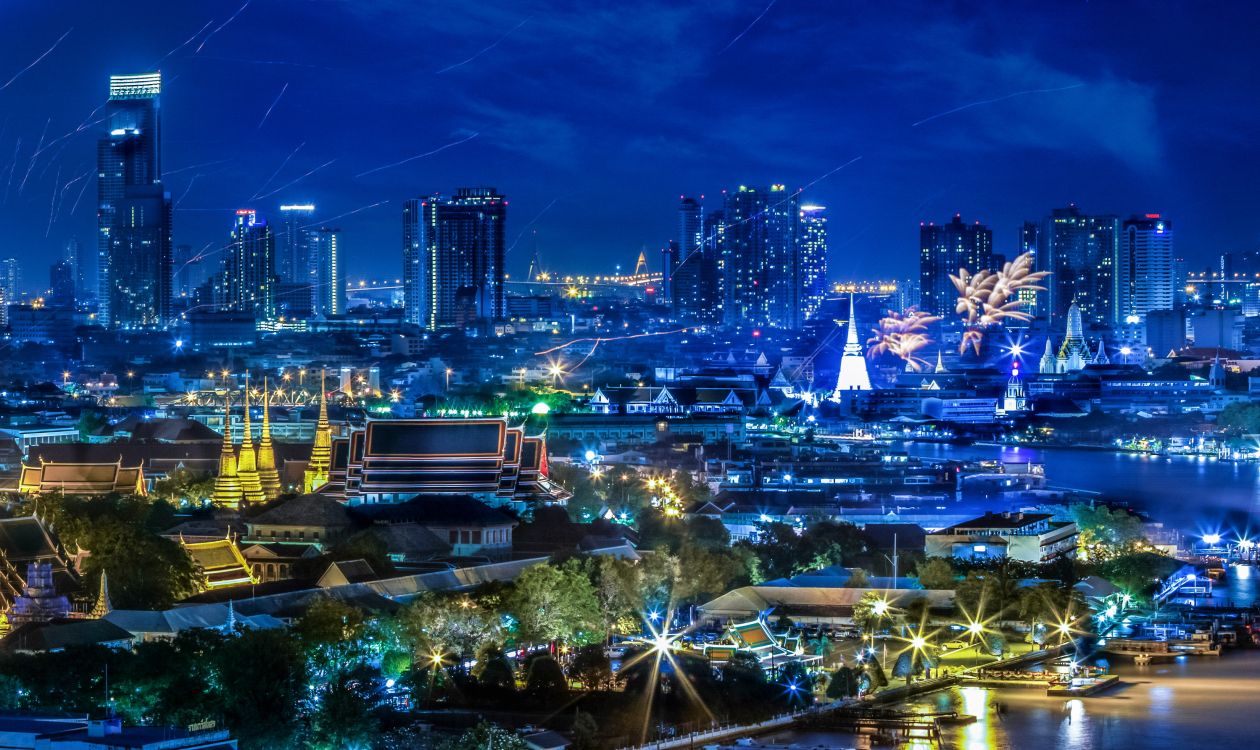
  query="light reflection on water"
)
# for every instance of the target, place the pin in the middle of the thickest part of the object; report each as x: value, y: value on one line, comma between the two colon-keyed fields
x: 1200, y: 702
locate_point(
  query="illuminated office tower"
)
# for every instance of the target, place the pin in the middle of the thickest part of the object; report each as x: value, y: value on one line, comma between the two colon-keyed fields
x: 693, y: 274
x: 249, y: 276
x: 415, y: 306
x: 293, y: 248
x: 128, y: 161
x: 328, y: 280
x: 1080, y: 252
x: 813, y: 258
x: 139, y: 293
x: 10, y: 279
x: 462, y: 253
x: 1145, y: 277
x: 761, y: 259
x: 943, y: 250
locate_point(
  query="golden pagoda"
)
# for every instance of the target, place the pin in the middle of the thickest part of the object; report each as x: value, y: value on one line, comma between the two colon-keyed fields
x: 227, y: 486
x: 247, y: 462
x: 321, y: 453
x: 267, y: 474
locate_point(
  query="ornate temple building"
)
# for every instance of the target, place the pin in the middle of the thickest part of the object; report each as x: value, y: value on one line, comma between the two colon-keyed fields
x: 1073, y: 353
x: 321, y: 452
x: 81, y: 478
x: 392, y: 461
x: 1015, y: 400
x: 247, y: 475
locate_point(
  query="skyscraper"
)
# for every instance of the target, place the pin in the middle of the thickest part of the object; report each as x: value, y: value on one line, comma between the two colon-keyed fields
x: 139, y: 293
x: 10, y: 279
x: 693, y: 275
x: 762, y: 273
x: 249, y: 276
x: 415, y: 306
x: 61, y: 284
x: 462, y: 250
x: 1080, y: 252
x: 128, y: 161
x: 293, y: 248
x: 943, y: 250
x: 328, y: 280
x: 812, y: 237
x: 1144, y: 269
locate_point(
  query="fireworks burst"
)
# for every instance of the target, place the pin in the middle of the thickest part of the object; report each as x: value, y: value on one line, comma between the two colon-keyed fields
x: 902, y: 335
x: 988, y: 297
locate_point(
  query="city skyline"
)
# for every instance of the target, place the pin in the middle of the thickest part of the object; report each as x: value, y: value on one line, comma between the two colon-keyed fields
x: 1108, y: 129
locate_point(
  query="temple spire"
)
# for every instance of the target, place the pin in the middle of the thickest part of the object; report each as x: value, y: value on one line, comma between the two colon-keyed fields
x: 853, y: 375
x: 268, y: 477
x: 103, y: 605
x: 247, y: 463
x: 321, y: 452
x: 227, y: 486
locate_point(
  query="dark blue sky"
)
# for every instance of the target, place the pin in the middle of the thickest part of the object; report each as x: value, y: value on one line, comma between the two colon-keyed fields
x: 594, y: 117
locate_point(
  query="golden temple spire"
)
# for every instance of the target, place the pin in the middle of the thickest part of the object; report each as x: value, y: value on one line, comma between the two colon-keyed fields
x: 321, y: 452
x: 227, y: 486
x: 268, y: 477
x: 247, y: 463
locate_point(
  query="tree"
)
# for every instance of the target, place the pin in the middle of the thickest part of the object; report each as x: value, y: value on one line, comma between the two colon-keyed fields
x: 342, y: 717
x: 1241, y: 418
x: 262, y: 678
x: 592, y: 667
x: 544, y: 679
x: 843, y: 684
x: 486, y: 735
x: 869, y: 612
x: 1106, y: 533
x: 585, y: 733
x: 449, y: 623
x: 935, y: 573
x: 797, y: 683
x: 858, y: 579
x: 183, y: 485
x: 556, y: 603
x: 330, y: 633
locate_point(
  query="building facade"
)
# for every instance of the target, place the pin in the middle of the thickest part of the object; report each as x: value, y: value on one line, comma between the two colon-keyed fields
x: 327, y: 273
x: 249, y: 275
x: 1080, y: 252
x: 943, y: 250
x: 128, y: 158
x: 293, y: 248
x: 462, y: 252
x: 1144, y: 269
x: 761, y: 267
x: 812, y: 237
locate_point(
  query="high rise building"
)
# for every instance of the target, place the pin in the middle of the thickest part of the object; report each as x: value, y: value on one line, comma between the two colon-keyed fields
x: 812, y: 238
x: 249, y: 276
x: 293, y: 248
x: 61, y: 284
x: 139, y: 293
x: 1146, y: 278
x: 762, y: 270
x: 1080, y: 252
x: 10, y: 279
x: 943, y: 250
x: 328, y: 279
x: 462, y: 242
x: 415, y: 307
x: 128, y: 161
x: 693, y: 272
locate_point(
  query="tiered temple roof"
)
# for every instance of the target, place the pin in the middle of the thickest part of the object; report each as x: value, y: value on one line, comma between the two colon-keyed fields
x: 82, y: 478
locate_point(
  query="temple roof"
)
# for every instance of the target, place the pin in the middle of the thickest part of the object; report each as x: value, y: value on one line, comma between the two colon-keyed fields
x: 314, y: 509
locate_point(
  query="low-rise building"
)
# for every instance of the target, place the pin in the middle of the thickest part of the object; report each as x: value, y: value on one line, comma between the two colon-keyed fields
x: 1030, y: 537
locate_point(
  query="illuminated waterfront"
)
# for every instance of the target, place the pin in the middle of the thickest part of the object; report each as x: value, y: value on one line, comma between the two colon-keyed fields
x: 1191, y: 492
x: 1189, y: 703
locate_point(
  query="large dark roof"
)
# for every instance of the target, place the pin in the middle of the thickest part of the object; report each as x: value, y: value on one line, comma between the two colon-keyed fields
x: 59, y: 635
x: 436, y: 510
x: 25, y: 539
x: 304, y: 510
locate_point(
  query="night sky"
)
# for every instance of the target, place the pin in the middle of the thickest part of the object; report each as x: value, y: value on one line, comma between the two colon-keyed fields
x: 594, y: 117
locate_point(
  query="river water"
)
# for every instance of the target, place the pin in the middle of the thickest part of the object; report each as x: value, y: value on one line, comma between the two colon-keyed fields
x: 1195, y: 494
x: 1192, y: 703
x: 1187, y: 704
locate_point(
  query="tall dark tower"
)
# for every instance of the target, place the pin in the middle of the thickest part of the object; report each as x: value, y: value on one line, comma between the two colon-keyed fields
x: 761, y: 258
x: 463, y: 248
x: 249, y: 270
x: 943, y: 250
x: 415, y: 308
x: 133, y: 227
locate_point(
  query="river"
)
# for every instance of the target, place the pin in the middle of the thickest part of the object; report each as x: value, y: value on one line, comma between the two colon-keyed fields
x: 1191, y: 703
x: 1193, y: 493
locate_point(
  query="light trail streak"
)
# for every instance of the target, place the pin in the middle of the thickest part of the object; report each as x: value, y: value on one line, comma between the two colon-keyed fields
x: 47, y: 52
x: 485, y: 49
x: 273, y: 106
x: 995, y: 100
x: 185, y: 44
x: 605, y: 340
x: 347, y: 213
x: 170, y: 172
x: 221, y: 26
x: 437, y: 150
x: 293, y: 182
x: 279, y: 168
x: 748, y: 28
x: 530, y: 224
x: 30, y: 166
